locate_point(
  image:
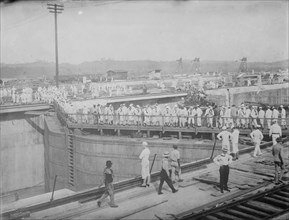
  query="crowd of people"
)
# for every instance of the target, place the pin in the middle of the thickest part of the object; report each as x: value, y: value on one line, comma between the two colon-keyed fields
x: 170, y: 171
x: 243, y: 116
x: 26, y: 95
x: 230, y: 151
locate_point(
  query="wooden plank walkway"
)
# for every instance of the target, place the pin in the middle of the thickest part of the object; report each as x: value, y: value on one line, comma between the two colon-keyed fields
x: 249, y: 172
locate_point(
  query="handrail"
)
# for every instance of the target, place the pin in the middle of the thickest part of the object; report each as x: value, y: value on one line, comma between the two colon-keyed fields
x: 184, y: 121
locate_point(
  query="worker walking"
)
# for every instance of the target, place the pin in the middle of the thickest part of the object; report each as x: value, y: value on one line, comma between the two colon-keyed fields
x: 257, y: 137
x: 223, y: 161
x: 175, y: 163
x: 225, y: 137
x: 165, y: 174
x: 275, y: 131
x: 278, y: 154
x: 109, y: 189
x: 145, y: 172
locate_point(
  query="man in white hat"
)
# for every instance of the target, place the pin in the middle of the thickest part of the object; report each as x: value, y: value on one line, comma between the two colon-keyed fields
x: 283, y: 117
x: 209, y: 114
x: 145, y: 172
x: 167, y: 114
x: 228, y: 118
x: 192, y: 114
x: 165, y: 174
x: 120, y: 114
x: 222, y: 117
x: 138, y: 115
x: 279, y: 158
x: 199, y: 116
x: 175, y: 116
x: 223, y: 161
x: 225, y: 137
x: 254, y: 115
x: 275, y: 131
x: 175, y: 163
x: 158, y: 115
x: 275, y: 113
x: 110, y: 113
x: 268, y: 116
x: 131, y: 114
x: 257, y: 137
x: 147, y: 116
x: 183, y: 117
x: 247, y: 116
x: 125, y: 112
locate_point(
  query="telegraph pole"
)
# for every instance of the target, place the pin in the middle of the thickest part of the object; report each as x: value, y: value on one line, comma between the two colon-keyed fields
x: 56, y: 9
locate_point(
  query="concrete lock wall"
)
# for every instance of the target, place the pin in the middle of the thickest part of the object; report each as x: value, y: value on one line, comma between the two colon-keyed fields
x: 91, y: 152
x: 273, y: 95
x: 22, y: 152
x: 55, y: 159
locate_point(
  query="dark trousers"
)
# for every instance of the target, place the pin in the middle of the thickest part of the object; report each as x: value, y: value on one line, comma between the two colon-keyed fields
x: 224, y: 176
x: 165, y: 177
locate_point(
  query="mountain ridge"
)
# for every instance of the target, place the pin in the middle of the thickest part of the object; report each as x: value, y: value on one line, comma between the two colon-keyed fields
x: 134, y: 67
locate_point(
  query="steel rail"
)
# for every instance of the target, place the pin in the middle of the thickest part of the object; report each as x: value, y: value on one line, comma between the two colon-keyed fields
x: 234, y: 203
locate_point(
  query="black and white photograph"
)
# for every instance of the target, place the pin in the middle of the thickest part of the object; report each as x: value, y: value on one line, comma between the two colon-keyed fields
x: 144, y: 109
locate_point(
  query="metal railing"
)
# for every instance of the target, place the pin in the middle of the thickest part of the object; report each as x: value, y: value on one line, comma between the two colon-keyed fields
x: 164, y: 120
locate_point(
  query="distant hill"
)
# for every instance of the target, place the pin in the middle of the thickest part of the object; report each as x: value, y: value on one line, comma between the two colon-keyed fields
x: 138, y: 67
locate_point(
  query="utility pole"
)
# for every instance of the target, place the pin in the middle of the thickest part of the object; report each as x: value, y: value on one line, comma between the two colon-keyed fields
x: 56, y: 9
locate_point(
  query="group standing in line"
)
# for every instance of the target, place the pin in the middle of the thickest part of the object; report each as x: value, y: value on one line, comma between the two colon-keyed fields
x: 175, y: 116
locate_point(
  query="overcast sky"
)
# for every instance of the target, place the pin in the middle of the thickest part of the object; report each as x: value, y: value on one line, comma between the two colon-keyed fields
x: 154, y: 30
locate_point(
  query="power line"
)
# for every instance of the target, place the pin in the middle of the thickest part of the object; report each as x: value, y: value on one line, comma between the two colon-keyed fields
x: 56, y: 9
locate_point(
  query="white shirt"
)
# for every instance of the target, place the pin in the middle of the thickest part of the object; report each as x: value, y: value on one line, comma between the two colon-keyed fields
x: 223, y: 159
x: 224, y: 136
x: 275, y: 113
x: 145, y: 154
x: 175, y: 155
x: 261, y: 114
x: 199, y: 112
x: 248, y: 112
x: 257, y: 136
x: 268, y: 113
x: 275, y: 129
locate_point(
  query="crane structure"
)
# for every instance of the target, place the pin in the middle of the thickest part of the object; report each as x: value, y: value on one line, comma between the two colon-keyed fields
x: 179, y: 69
x: 243, y: 68
x: 196, y: 65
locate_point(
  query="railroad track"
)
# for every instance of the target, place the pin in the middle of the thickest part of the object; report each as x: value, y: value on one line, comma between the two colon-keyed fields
x: 266, y: 204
